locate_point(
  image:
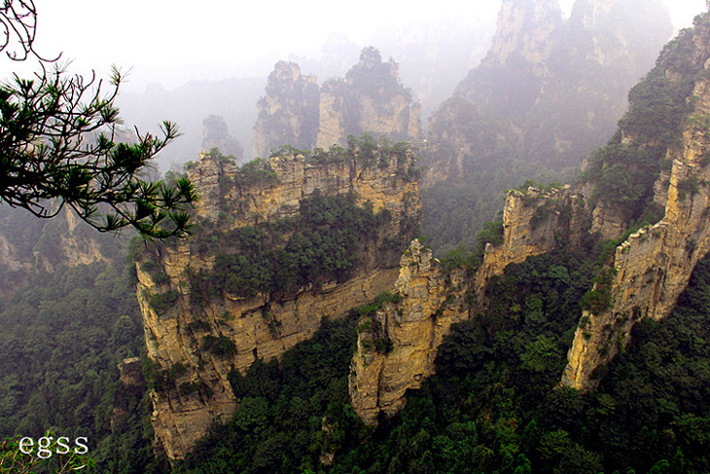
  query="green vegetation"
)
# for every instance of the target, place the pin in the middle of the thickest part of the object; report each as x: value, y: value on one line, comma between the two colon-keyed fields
x: 47, y: 155
x: 368, y: 152
x: 221, y: 346
x: 453, y: 213
x: 63, y: 335
x: 492, y: 406
x: 624, y: 171
x: 161, y: 302
x: 507, y: 123
x: 300, y: 99
x: 599, y: 299
x: 461, y: 257
x: 375, y: 78
x: 520, y: 334
x: 326, y: 242
x: 57, y: 459
x: 289, y: 413
x: 255, y: 173
x: 374, y: 338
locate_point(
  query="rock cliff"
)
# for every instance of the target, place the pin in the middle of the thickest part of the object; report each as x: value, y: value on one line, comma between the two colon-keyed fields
x: 411, y: 330
x: 535, y: 221
x: 370, y: 99
x: 216, y: 135
x: 288, y: 113
x: 626, y: 181
x: 529, y: 87
x: 525, y: 29
x: 206, y: 311
x: 653, y: 266
x: 29, y: 245
x: 397, y: 346
x: 549, y: 91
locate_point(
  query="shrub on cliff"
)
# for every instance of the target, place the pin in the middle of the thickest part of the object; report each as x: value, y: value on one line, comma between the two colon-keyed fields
x: 326, y: 242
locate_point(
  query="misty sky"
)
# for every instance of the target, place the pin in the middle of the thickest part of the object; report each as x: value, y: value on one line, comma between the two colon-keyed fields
x: 173, y: 42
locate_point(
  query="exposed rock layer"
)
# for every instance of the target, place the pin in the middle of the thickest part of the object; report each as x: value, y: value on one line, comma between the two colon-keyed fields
x: 370, y: 99
x: 653, y: 267
x: 263, y: 326
x: 432, y: 300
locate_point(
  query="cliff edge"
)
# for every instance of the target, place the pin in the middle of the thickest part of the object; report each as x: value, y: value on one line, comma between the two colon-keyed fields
x: 279, y: 245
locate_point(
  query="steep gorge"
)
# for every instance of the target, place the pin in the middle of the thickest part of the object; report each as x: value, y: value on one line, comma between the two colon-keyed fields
x: 211, y: 304
x: 429, y: 299
x: 624, y: 184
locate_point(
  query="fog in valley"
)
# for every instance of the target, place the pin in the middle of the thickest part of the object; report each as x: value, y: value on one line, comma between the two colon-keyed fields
x: 186, y: 63
x: 391, y: 237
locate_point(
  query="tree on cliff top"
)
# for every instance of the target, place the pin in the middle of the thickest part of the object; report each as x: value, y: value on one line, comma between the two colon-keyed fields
x: 58, y: 145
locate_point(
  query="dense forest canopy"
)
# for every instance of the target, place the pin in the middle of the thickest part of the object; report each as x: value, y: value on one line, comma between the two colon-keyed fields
x: 74, y: 359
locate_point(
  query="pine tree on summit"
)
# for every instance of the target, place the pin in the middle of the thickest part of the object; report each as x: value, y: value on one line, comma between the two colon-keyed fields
x: 58, y: 145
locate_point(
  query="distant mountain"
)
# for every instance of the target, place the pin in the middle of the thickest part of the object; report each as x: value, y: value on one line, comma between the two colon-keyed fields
x: 370, y: 99
x: 547, y: 93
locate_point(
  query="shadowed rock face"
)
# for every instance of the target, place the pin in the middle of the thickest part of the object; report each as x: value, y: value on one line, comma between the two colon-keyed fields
x: 430, y: 300
x: 653, y: 267
x: 549, y: 89
x: 194, y: 391
x: 288, y: 113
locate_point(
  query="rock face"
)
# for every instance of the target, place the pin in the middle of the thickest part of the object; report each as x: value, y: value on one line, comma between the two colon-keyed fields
x: 647, y: 273
x: 652, y: 268
x: 415, y: 327
x: 371, y: 99
x: 534, y: 221
x: 549, y: 92
x: 525, y: 29
x: 528, y: 96
x: 429, y: 300
x: 216, y: 135
x: 29, y: 244
x: 288, y: 113
x: 196, y: 343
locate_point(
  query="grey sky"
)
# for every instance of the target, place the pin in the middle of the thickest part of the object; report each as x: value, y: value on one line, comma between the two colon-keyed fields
x: 172, y: 42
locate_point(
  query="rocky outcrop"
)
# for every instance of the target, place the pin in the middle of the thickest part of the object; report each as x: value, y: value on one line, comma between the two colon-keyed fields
x: 80, y: 246
x: 534, y: 222
x: 643, y: 280
x: 29, y: 245
x: 9, y: 257
x: 652, y: 267
x: 288, y: 113
x: 528, y: 98
x: 196, y: 342
x: 397, y: 347
x: 370, y: 100
x: 216, y: 135
x: 525, y: 29
x: 411, y: 330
